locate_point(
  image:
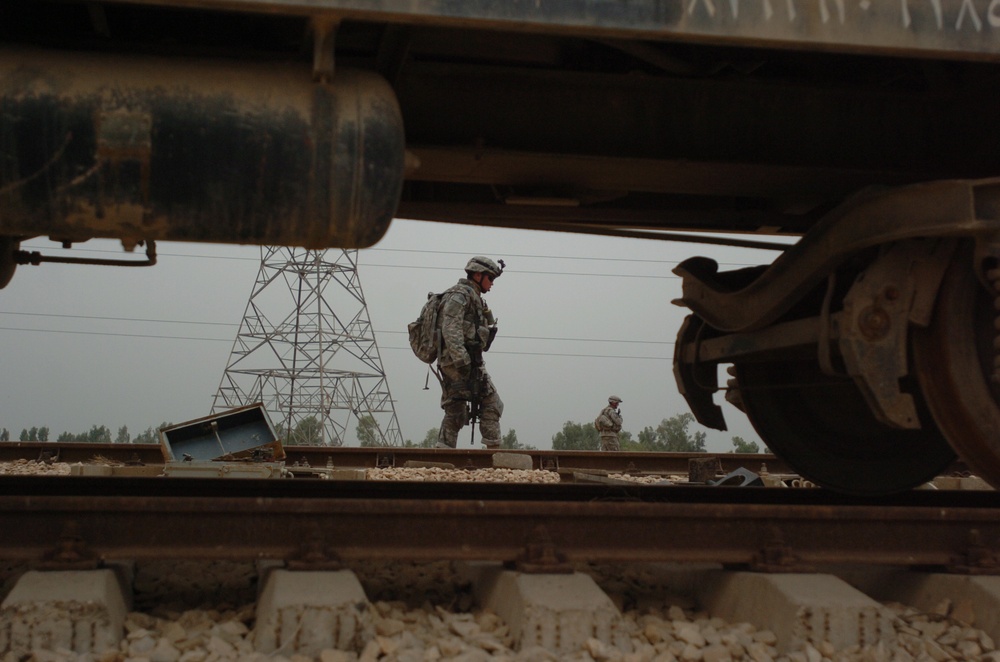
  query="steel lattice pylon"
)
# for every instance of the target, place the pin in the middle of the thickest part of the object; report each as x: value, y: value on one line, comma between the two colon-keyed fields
x: 316, y: 369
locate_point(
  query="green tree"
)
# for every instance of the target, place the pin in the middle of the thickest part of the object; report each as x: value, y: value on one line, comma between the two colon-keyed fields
x: 150, y: 435
x: 368, y: 432
x: 24, y: 434
x: 123, y: 436
x: 647, y: 439
x: 627, y: 443
x: 307, y: 432
x: 99, y: 434
x: 66, y: 436
x: 5, y: 435
x: 430, y: 439
x: 671, y: 435
x: 740, y: 445
x: 43, y: 434
x: 509, y: 442
x: 576, y: 437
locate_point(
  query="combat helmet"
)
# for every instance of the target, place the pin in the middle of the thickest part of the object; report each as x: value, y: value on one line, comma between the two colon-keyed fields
x: 484, y: 265
x: 614, y: 398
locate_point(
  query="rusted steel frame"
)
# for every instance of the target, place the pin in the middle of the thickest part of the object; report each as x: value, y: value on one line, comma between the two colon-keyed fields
x: 897, y: 289
x: 946, y: 28
x: 651, y: 172
x: 36, y: 258
x: 603, y: 222
x: 696, y: 359
x: 249, y: 528
x: 778, y: 337
x: 937, y: 209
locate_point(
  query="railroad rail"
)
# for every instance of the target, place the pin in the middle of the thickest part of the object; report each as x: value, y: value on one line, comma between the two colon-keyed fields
x: 472, y: 458
x: 80, y: 522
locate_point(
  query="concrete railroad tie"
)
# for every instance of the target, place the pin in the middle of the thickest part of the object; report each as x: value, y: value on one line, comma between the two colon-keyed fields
x: 306, y: 612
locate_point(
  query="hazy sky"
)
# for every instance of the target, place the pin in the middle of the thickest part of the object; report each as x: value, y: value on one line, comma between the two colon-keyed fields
x: 580, y: 318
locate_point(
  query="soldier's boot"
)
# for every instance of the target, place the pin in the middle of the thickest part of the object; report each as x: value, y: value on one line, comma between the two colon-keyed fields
x: 447, y: 438
x: 489, y: 428
x: 453, y: 421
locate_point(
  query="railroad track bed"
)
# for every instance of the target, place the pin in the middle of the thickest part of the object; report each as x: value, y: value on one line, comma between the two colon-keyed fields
x: 446, y: 472
x: 319, y: 461
x: 477, y: 571
x: 193, y: 611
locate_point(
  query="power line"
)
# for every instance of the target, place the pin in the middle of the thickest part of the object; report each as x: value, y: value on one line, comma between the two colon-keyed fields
x: 636, y: 342
x: 118, y: 335
x: 116, y: 319
x: 229, y: 340
x: 232, y: 325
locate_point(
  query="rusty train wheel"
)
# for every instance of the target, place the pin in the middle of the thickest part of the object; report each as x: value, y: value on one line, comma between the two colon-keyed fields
x: 954, y: 360
x: 823, y: 428
x: 8, y: 259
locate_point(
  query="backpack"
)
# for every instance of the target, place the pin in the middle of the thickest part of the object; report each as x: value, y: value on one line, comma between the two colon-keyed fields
x: 425, y: 337
x: 602, y: 422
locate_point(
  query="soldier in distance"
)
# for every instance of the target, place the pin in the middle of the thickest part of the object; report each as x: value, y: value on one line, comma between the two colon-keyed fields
x: 609, y: 424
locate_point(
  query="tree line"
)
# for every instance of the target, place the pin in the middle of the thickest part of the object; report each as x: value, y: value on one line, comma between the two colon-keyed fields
x: 98, y: 434
x: 671, y: 435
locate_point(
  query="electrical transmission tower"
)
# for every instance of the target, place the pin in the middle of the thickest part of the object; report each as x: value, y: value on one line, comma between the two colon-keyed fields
x: 307, y: 351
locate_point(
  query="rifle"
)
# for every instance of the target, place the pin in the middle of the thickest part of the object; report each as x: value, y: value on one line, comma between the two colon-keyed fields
x: 475, y: 388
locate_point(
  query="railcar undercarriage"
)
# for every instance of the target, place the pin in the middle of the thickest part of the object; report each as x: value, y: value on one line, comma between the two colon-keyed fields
x: 865, y: 355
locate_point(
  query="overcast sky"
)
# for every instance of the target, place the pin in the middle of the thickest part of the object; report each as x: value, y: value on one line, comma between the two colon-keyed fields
x: 580, y: 318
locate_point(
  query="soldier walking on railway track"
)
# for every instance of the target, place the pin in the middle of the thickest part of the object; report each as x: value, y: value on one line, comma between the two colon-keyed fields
x: 467, y: 329
x: 609, y: 424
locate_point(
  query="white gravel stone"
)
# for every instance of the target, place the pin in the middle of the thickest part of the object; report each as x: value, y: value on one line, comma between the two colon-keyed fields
x: 436, y: 474
x: 690, y: 634
x: 33, y: 468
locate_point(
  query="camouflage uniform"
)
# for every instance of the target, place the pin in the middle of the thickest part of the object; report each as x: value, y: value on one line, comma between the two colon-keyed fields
x: 465, y: 323
x: 609, y: 424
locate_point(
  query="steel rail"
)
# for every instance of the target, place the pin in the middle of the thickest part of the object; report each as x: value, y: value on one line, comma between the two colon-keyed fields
x: 322, y: 456
x: 785, y: 530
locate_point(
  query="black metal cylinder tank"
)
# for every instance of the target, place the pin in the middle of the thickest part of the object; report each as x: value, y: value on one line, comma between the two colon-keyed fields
x: 136, y: 148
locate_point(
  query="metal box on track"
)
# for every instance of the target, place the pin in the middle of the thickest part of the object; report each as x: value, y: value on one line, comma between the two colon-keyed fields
x: 244, y: 432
